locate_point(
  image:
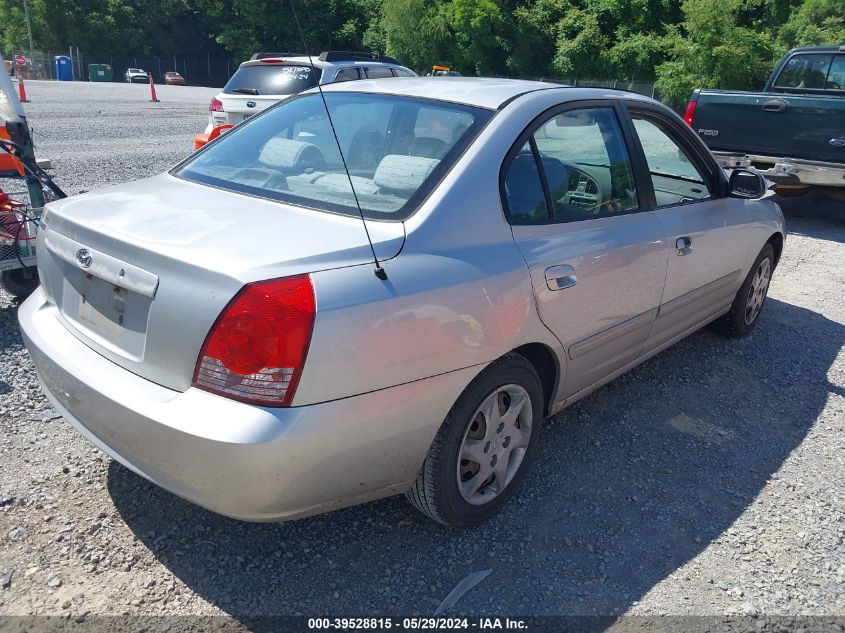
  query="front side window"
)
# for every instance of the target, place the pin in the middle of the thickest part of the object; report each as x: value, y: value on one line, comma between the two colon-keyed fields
x: 805, y: 72
x: 586, y: 165
x: 272, y: 79
x: 289, y: 152
x: 674, y: 175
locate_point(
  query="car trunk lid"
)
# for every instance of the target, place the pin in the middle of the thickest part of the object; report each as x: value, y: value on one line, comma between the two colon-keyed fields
x: 239, y: 107
x: 140, y: 272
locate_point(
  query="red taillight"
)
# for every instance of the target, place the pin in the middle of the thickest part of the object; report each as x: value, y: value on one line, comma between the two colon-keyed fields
x: 271, y: 60
x: 215, y: 106
x: 689, y: 114
x: 256, y: 349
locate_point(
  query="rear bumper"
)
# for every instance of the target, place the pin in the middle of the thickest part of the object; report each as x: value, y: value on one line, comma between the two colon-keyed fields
x: 247, y: 462
x: 787, y: 171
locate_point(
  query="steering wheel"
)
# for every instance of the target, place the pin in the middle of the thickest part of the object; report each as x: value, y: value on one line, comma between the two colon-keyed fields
x: 584, y: 191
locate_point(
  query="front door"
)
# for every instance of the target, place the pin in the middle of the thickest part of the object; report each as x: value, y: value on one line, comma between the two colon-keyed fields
x: 704, y: 228
x: 597, y: 259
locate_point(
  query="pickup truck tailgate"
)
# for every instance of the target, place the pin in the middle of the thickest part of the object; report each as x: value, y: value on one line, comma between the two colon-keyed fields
x: 780, y: 125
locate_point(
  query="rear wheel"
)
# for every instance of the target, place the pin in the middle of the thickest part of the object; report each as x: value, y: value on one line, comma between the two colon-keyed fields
x: 749, y: 300
x: 484, y: 446
x: 19, y: 282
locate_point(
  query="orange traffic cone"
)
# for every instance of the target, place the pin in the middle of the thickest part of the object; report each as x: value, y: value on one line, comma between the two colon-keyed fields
x: 22, y: 91
x: 152, y: 89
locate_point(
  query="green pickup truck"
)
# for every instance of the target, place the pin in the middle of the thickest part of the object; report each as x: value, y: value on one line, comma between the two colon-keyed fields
x: 793, y: 132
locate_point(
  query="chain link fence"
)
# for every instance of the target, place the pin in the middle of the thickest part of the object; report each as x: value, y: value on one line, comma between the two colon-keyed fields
x: 204, y: 69
x: 199, y: 69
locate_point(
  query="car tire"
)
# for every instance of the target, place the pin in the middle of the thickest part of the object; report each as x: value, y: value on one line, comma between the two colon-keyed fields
x: 450, y: 488
x: 20, y: 282
x: 748, y: 302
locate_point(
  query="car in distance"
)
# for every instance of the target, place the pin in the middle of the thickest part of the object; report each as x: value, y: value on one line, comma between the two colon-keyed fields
x: 793, y: 132
x: 219, y: 329
x: 173, y: 78
x: 265, y: 80
x: 136, y: 76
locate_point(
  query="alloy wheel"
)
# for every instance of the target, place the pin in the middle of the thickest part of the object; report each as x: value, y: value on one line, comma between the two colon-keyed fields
x: 757, y: 290
x: 494, y: 444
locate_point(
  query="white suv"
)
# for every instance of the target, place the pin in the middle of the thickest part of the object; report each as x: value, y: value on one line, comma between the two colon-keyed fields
x: 266, y: 79
x: 136, y: 75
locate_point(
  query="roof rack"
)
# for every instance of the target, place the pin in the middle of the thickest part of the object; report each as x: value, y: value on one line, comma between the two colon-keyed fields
x: 355, y: 56
x: 272, y: 55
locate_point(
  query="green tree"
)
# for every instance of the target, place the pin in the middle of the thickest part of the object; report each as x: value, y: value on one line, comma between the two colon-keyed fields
x: 712, y: 51
x: 581, y: 47
x: 815, y: 22
x: 534, y: 36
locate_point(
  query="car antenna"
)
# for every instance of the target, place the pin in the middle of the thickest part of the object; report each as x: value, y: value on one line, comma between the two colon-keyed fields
x: 380, y: 272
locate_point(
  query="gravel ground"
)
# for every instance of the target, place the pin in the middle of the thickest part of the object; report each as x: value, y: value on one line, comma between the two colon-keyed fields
x: 706, y: 481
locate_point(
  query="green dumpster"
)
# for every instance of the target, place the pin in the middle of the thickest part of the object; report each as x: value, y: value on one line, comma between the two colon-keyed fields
x: 99, y: 72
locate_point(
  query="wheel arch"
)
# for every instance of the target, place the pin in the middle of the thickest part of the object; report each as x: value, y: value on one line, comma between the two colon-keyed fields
x: 776, y: 240
x: 546, y: 364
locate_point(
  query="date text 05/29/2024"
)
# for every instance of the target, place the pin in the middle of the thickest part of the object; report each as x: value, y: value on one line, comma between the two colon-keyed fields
x: 417, y: 624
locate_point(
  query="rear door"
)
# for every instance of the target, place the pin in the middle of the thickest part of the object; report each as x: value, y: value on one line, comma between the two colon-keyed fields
x: 596, y: 255
x: 705, y: 229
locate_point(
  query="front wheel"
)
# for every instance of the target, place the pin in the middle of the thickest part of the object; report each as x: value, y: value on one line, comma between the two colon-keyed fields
x: 749, y: 300
x: 484, y: 447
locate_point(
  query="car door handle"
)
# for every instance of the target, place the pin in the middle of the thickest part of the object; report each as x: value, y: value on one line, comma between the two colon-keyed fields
x: 561, y: 277
x: 775, y: 105
x: 684, y: 246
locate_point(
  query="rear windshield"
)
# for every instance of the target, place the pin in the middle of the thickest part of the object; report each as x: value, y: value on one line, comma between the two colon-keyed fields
x: 396, y: 148
x: 812, y: 72
x: 272, y: 79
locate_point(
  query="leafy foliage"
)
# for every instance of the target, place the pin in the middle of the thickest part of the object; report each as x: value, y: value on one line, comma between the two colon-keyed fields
x: 682, y: 43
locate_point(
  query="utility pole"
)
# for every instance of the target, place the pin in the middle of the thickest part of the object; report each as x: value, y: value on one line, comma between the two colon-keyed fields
x: 28, y: 29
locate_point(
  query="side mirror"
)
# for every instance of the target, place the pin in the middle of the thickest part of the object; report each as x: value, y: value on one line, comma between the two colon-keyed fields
x: 745, y: 183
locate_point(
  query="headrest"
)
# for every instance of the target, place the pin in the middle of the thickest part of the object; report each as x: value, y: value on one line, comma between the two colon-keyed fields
x: 289, y: 155
x: 403, y: 174
x: 340, y: 183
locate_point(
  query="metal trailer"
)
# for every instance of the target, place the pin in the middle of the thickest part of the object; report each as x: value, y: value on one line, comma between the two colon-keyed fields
x: 20, y: 212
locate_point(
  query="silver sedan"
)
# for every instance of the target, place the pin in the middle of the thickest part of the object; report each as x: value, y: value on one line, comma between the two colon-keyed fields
x: 219, y: 329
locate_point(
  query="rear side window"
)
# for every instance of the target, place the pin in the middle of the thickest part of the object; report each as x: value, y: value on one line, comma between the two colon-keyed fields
x: 403, y: 72
x: 272, y: 79
x: 584, y: 165
x: 379, y: 72
x: 805, y: 72
x: 396, y: 148
x: 347, y: 74
x: 524, y: 189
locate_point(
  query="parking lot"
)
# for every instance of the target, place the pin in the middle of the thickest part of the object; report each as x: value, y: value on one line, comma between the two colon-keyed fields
x: 706, y: 481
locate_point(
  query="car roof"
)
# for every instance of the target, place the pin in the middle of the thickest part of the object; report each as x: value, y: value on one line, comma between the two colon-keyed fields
x: 474, y: 91
x: 317, y: 62
x: 481, y: 92
x: 826, y: 48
